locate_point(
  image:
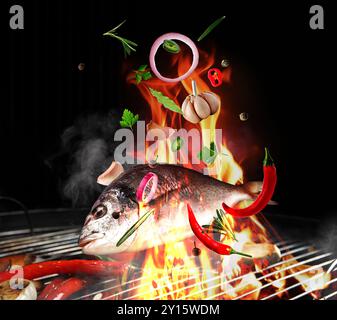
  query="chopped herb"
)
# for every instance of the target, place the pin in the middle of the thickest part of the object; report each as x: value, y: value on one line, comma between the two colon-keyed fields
x: 208, y: 155
x: 177, y: 144
x: 142, y: 74
x: 128, y: 119
x: 165, y: 101
x: 210, y: 28
x: 128, y: 45
x: 134, y: 227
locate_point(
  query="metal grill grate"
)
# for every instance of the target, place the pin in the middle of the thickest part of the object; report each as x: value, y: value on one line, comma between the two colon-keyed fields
x: 63, y: 244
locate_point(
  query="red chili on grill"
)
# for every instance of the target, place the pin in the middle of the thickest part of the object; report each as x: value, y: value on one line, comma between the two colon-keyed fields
x: 215, y: 77
x: 268, y: 187
x: 88, y: 267
x: 210, y: 243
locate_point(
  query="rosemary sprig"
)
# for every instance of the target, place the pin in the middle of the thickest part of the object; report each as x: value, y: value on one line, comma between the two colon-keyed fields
x: 134, y: 227
x: 128, y: 45
x: 210, y: 28
x: 220, y: 225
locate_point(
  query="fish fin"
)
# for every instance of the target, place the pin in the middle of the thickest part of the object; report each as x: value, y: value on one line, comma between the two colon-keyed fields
x: 253, y: 187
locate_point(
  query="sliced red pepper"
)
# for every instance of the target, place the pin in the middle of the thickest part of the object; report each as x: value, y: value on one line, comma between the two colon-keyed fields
x: 50, y: 287
x: 88, y: 267
x: 268, y: 188
x: 66, y: 289
x: 210, y: 243
x: 215, y: 77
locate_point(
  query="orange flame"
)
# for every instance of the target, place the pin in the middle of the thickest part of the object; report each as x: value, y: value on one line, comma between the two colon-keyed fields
x: 171, y: 271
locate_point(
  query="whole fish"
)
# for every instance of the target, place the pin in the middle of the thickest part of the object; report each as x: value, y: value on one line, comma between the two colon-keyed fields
x: 117, y: 208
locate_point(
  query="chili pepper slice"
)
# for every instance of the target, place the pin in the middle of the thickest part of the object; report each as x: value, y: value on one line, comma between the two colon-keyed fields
x: 268, y: 188
x: 210, y: 243
x: 215, y: 77
x: 171, y: 46
x: 66, y: 289
x: 89, y: 267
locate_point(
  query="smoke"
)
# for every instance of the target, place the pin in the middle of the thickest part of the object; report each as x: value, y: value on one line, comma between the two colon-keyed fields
x: 327, y: 234
x: 90, y: 146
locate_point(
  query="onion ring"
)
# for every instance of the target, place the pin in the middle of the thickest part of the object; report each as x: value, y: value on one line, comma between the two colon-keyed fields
x: 142, y: 186
x: 174, y: 36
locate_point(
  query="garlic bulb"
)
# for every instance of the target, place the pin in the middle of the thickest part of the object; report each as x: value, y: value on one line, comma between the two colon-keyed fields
x: 198, y: 107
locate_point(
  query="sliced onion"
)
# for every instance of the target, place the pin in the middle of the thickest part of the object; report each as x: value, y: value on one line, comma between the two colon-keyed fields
x: 28, y: 292
x: 140, y: 193
x: 173, y: 36
x: 110, y: 174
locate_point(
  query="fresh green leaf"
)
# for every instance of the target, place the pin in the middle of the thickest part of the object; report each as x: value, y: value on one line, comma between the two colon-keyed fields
x: 142, y: 74
x: 138, y: 78
x: 165, y: 101
x: 142, y: 67
x: 206, y: 155
x: 212, y: 148
x: 146, y: 75
x: 177, y: 144
x: 134, y: 227
x: 210, y: 28
x: 128, y: 45
x: 128, y: 119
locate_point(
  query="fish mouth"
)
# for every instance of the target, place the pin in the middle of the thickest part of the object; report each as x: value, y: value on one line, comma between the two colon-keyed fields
x: 84, y: 242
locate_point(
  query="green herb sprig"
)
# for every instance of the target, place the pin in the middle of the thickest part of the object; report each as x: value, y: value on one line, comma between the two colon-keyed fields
x: 128, y: 119
x: 142, y: 74
x: 128, y: 45
x: 208, y: 155
x: 221, y: 225
x: 210, y: 28
x: 134, y: 227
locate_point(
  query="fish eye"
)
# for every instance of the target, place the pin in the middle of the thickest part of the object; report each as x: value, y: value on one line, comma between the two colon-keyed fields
x: 99, y: 212
x: 116, y: 215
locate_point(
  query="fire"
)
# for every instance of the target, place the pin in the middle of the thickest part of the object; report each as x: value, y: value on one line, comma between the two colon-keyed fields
x: 171, y: 271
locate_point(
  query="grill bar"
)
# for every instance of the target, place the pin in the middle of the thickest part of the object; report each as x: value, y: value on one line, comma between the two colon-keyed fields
x: 64, y: 243
x: 294, y: 245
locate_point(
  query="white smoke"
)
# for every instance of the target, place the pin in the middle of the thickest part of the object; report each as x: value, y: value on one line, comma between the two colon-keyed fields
x: 90, y: 145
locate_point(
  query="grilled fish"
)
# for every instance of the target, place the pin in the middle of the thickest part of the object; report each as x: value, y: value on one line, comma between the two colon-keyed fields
x: 117, y: 208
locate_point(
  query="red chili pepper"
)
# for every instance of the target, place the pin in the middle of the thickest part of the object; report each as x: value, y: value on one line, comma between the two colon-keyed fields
x: 215, y: 77
x: 210, y: 243
x: 268, y: 188
x: 66, y: 289
x: 49, y: 288
x: 89, y: 267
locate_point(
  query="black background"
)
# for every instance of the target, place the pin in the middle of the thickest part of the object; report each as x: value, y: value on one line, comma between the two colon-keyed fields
x: 283, y: 75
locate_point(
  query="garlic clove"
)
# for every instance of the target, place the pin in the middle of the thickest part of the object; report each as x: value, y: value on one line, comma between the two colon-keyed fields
x: 189, y: 112
x: 110, y: 174
x: 212, y: 99
x: 201, y: 107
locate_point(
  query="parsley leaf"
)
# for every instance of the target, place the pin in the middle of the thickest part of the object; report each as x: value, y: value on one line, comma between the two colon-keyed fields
x: 128, y: 119
x: 142, y: 74
x: 208, y: 155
